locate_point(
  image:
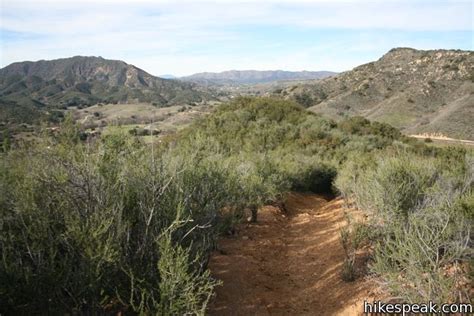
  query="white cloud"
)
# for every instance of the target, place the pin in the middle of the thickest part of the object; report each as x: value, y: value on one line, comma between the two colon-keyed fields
x: 180, y: 36
x: 71, y: 16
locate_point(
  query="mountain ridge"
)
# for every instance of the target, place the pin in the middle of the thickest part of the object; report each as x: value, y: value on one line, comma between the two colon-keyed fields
x: 418, y: 91
x: 254, y: 76
x: 84, y: 81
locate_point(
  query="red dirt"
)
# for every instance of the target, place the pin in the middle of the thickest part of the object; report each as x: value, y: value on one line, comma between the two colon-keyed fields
x: 288, y: 264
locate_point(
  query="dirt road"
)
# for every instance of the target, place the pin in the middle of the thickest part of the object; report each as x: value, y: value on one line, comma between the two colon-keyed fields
x: 288, y: 264
x: 445, y: 139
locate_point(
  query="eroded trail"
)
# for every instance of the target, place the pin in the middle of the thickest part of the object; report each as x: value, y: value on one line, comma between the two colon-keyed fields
x: 288, y: 264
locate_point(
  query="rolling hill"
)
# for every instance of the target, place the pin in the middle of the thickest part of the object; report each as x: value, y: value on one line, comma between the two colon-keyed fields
x: 417, y: 91
x: 83, y: 81
x: 233, y: 77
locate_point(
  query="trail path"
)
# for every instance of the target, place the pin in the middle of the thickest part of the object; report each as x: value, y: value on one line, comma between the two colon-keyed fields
x: 445, y: 139
x: 288, y: 264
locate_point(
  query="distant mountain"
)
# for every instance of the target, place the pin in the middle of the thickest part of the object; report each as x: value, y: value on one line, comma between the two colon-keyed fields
x: 168, y: 76
x: 254, y: 76
x: 418, y: 91
x: 82, y: 81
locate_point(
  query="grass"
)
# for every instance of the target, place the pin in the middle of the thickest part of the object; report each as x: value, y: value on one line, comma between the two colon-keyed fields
x: 396, y: 118
x: 127, y: 116
x: 114, y: 112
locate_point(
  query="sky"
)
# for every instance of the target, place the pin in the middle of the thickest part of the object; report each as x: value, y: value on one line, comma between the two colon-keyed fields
x: 185, y: 37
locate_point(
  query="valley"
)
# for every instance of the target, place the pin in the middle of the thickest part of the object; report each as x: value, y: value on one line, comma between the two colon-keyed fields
x: 415, y: 91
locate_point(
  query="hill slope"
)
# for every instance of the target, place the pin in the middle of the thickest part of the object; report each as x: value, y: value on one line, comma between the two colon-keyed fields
x: 417, y: 91
x: 254, y: 76
x: 85, y: 81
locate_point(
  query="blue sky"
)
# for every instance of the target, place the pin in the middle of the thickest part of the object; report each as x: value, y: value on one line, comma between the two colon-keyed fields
x: 184, y: 37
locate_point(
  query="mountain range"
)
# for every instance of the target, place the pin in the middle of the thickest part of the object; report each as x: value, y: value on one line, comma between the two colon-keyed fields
x: 418, y: 91
x: 82, y: 81
x: 253, y: 76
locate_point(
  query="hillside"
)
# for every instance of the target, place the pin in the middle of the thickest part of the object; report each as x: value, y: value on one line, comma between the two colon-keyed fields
x: 239, y: 204
x: 254, y: 76
x: 414, y: 90
x: 83, y: 81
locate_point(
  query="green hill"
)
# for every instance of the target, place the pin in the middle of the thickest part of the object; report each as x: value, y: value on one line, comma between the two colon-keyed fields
x: 83, y: 81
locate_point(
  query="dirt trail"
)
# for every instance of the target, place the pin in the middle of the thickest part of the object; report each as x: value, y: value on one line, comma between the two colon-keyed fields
x: 444, y: 139
x: 288, y: 264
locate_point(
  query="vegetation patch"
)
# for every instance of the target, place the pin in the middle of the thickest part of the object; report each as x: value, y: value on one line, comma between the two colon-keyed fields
x: 111, y: 224
x: 420, y: 202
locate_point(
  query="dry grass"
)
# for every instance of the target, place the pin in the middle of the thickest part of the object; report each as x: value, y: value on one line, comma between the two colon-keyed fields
x: 142, y: 115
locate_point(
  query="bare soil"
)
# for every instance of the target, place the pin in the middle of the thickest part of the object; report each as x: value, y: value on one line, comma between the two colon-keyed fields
x: 442, y: 138
x: 289, y: 263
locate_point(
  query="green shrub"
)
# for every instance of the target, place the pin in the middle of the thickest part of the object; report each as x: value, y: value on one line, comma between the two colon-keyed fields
x: 423, y: 205
x: 304, y: 99
x: 348, y: 270
x: 400, y: 185
x: 82, y: 225
x: 114, y: 225
x: 182, y: 290
x: 6, y: 142
x: 415, y: 260
x: 393, y: 189
x: 315, y: 177
x: 361, y: 126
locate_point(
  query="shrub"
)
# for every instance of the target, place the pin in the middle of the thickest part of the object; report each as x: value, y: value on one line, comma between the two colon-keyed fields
x: 6, y: 142
x: 361, y: 126
x: 315, y: 177
x: 354, y: 236
x: 419, y: 262
x: 96, y: 216
x: 320, y: 180
x: 277, y: 90
x: 394, y: 188
x: 348, y: 269
x: 423, y: 206
x: 304, y: 99
x: 182, y: 288
x: 114, y: 225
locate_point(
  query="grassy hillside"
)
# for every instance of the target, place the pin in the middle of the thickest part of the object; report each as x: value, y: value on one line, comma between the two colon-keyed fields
x: 417, y: 91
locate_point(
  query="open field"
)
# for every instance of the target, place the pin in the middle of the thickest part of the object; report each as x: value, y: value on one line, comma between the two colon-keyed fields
x: 141, y: 115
